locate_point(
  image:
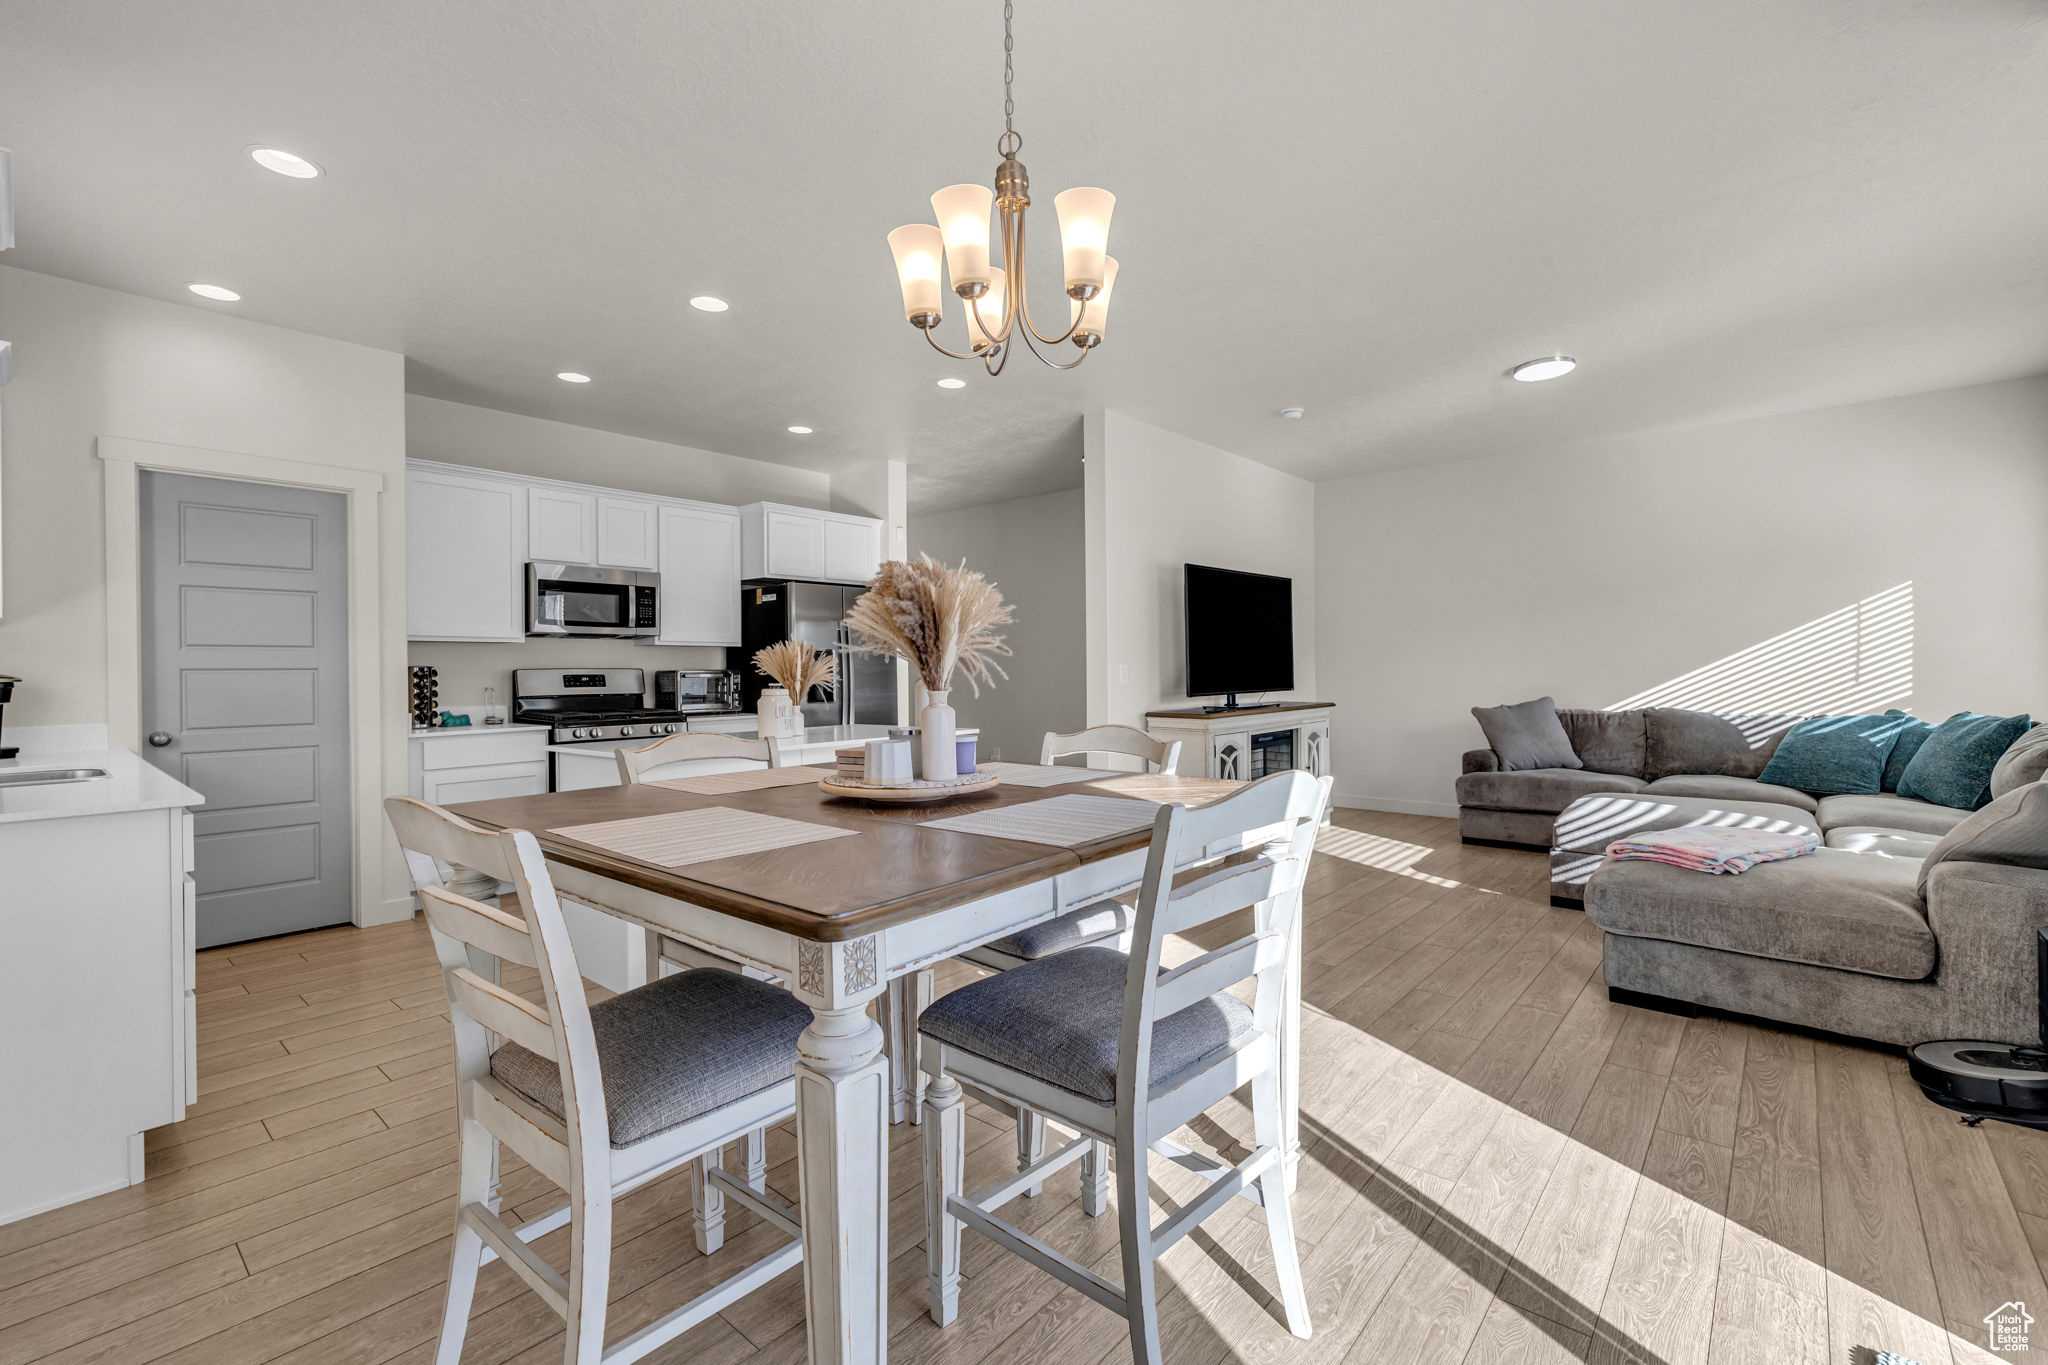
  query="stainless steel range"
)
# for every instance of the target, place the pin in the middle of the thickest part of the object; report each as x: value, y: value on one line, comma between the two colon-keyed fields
x: 587, y: 706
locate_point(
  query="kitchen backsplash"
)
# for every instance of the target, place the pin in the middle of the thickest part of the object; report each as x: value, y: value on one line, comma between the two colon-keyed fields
x: 467, y: 669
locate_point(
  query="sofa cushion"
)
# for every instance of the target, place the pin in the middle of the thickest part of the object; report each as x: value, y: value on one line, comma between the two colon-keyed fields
x: 1526, y: 735
x: 1913, y: 732
x: 1591, y: 823
x: 1716, y: 788
x: 1608, y: 741
x: 2012, y: 830
x: 1881, y: 843
x: 1953, y: 767
x: 1060, y: 1020
x: 1832, y: 908
x: 1548, y: 790
x: 1835, y: 754
x: 1888, y: 811
x: 672, y: 1050
x: 2024, y: 761
x: 1732, y: 745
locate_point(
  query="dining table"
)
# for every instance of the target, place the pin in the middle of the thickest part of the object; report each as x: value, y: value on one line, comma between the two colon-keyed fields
x: 836, y: 920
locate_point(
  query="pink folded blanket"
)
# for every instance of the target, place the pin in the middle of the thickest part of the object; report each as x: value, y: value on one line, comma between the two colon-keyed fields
x: 1712, y: 848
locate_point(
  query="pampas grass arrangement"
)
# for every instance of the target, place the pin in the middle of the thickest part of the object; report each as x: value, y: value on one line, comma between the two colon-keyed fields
x: 796, y: 667
x: 937, y: 618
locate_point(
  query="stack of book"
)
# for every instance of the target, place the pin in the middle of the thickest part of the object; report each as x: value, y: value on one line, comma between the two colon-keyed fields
x: 850, y: 762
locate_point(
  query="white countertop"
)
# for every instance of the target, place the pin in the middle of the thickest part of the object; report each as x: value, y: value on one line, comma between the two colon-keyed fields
x: 469, y: 731
x: 818, y: 736
x: 130, y: 784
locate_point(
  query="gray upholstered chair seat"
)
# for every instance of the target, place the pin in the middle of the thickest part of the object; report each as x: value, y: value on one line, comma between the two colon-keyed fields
x: 1590, y: 824
x: 1889, y: 810
x: 1538, y: 789
x: 1095, y: 923
x: 1715, y: 787
x: 1832, y: 908
x: 1059, y: 1020
x: 1882, y: 843
x: 674, y: 1049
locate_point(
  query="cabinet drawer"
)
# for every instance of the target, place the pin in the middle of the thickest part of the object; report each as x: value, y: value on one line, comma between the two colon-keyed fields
x: 526, y: 744
x: 453, y: 786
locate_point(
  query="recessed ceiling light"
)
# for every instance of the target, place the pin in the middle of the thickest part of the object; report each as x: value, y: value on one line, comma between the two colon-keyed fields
x: 571, y: 377
x: 219, y: 293
x: 799, y: 431
x: 953, y: 383
x: 284, y: 162
x: 1544, y: 367
x: 705, y: 303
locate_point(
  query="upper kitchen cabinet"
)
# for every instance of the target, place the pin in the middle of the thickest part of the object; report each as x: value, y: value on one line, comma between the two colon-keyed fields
x: 465, y: 543
x: 585, y: 526
x: 627, y: 537
x: 779, y: 541
x: 700, y: 574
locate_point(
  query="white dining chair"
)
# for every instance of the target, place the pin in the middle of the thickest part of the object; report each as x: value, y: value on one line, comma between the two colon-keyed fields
x: 600, y: 1099
x: 1124, y: 1051
x: 1160, y: 755
x: 693, y: 755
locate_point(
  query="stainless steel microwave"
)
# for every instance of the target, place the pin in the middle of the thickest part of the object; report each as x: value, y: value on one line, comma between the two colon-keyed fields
x: 582, y: 599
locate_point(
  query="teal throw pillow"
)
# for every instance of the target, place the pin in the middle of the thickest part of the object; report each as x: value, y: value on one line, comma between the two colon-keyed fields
x: 1953, y: 767
x: 1834, y: 754
x: 1913, y: 733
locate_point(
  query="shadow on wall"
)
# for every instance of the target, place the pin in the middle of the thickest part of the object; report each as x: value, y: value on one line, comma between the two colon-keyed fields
x: 1857, y: 659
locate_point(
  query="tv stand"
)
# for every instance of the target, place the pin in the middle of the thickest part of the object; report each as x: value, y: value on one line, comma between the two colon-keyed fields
x: 1241, y: 743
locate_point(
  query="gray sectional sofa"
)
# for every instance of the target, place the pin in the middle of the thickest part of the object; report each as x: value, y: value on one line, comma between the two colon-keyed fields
x: 1913, y: 922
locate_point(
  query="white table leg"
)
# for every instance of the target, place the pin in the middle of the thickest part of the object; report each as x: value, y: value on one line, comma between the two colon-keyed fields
x: 842, y: 1113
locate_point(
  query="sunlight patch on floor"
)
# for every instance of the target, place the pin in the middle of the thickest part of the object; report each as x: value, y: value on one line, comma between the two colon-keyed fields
x: 1376, y: 851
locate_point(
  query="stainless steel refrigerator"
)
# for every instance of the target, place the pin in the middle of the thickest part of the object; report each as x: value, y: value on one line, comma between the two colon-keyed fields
x: 812, y: 612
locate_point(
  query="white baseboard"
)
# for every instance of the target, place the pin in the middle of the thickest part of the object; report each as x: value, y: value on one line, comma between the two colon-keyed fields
x: 37, y: 740
x: 1393, y: 805
x: 390, y: 912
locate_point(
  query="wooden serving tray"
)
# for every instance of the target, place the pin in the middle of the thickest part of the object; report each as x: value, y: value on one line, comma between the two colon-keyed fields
x: 923, y: 793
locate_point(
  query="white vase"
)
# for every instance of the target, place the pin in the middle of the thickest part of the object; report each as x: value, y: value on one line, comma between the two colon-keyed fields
x: 774, y: 714
x: 936, y: 755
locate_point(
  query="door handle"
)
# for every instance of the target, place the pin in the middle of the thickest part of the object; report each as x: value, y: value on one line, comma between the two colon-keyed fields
x: 158, y: 739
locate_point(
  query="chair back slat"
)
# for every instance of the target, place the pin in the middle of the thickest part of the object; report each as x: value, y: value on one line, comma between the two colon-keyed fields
x: 699, y: 750
x: 1277, y: 814
x: 502, y: 1012
x: 480, y: 926
x: 1163, y: 756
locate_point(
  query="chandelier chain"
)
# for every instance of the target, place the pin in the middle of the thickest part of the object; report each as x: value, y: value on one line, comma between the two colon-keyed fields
x: 1009, y: 68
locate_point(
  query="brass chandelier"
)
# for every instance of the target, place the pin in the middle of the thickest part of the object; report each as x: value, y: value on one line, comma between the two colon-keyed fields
x: 994, y: 298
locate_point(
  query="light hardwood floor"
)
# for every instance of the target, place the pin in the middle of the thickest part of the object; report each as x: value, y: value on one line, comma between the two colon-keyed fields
x: 1501, y: 1167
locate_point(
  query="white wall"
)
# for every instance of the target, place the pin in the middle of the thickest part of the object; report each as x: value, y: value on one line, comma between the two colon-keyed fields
x: 484, y: 438
x: 1157, y: 501
x: 92, y: 362
x: 1031, y: 548
x: 1603, y: 573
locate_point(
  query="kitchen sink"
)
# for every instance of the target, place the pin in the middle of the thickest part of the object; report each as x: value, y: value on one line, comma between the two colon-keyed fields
x: 38, y: 777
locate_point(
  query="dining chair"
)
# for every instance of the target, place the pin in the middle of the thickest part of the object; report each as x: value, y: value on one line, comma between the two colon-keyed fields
x: 1124, y: 1051
x: 703, y: 752
x: 600, y: 1099
x: 1162, y: 755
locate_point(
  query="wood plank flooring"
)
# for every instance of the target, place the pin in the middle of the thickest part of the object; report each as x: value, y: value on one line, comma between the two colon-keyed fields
x: 1500, y: 1166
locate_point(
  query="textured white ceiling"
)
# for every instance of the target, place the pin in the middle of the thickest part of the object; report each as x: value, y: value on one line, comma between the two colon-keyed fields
x: 1368, y: 209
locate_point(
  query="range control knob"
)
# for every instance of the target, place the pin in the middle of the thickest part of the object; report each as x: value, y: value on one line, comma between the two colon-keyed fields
x: 578, y: 733
x: 625, y: 732
x: 668, y: 729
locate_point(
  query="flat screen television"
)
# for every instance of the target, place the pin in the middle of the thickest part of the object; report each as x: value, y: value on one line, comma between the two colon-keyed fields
x: 1240, y: 633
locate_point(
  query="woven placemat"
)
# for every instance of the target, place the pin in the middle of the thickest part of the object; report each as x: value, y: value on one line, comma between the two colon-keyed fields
x: 1061, y: 820
x: 745, y: 780
x: 698, y: 836
x: 1045, y: 774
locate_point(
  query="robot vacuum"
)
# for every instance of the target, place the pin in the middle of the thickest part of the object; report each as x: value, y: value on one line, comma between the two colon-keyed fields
x: 1981, y: 1081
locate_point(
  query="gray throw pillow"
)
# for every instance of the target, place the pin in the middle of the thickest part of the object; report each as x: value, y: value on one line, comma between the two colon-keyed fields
x: 2025, y: 761
x: 1527, y: 735
x: 2012, y: 830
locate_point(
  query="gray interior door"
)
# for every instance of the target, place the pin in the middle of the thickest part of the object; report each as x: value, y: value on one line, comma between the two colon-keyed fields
x: 245, y: 694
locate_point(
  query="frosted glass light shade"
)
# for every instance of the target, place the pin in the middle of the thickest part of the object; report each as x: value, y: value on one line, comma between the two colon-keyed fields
x: 920, y: 258
x: 990, y: 308
x: 1093, y: 315
x: 963, y: 222
x: 1084, y: 233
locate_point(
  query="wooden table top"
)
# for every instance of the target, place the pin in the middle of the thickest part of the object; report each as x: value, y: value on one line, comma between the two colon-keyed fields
x: 893, y: 870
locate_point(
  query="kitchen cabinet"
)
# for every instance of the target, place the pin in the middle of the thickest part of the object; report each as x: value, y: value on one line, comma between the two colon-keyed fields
x: 465, y: 540
x: 627, y: 534
x: 780, y: 541
x: 479, y: 763
x: 699, y: 560
x: 561, y: 525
